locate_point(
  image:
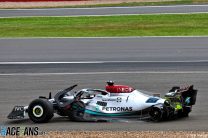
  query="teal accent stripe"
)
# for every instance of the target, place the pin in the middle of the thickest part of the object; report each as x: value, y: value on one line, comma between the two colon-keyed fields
x: 107, y: 114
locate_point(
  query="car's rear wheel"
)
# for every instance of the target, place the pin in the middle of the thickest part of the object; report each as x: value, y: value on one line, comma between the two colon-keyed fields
x: 40, y: 111
x: 77, y: 111
x: 185, y: 112
x: 156, y: 114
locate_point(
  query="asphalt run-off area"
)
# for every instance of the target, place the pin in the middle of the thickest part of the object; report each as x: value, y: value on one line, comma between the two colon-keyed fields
x: 33, y: 67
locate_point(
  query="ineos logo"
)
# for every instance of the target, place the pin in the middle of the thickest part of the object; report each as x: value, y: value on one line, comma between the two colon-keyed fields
x: 18, y: 108
x: 125, y: 90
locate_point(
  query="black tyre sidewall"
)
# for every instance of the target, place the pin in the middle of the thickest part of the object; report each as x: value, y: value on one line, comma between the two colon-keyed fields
x: 47, y: 110
x: 152, y: 112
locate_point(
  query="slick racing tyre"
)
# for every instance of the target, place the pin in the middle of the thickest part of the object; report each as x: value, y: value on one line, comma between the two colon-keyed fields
x: 185, y: 112
x: 40, y: 111
x: 77, y: 111
x: 156, y: 114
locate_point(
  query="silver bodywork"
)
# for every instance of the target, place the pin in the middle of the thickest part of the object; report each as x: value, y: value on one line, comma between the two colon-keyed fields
x: 116, y: 103
x: 119, y: 102
x: 87, y: 104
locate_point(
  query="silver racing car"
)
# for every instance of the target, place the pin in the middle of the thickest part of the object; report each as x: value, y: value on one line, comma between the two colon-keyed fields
x: 116, y: 101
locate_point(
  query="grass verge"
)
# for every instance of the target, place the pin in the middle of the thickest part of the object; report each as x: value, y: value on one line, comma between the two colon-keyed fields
x: 101, y: 26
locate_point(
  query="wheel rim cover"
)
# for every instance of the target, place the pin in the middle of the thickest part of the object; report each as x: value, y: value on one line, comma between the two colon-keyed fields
x: 37, y: 111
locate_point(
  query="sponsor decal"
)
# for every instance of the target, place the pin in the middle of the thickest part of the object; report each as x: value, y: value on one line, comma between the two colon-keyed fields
x: 119, y: 99
x: 117, y: 108
x: 20, y: 131
x: 101, y: 103
x: 19, y: 108
x: 125, y: 89
x: 109, y: 100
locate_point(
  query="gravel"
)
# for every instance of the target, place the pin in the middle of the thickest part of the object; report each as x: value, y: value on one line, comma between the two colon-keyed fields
x: 66, y: 3
x: 124, y: 134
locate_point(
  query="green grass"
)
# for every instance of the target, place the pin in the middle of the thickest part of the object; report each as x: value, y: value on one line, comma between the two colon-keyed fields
x: 134, y: 25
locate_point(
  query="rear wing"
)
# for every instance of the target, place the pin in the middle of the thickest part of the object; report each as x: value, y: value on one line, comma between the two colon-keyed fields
x: 188, y: 93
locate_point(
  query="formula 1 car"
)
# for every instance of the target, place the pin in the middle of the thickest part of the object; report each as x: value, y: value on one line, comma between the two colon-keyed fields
x: 117, y: 101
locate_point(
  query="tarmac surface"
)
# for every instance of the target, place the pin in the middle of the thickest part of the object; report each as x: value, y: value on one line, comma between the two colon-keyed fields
x: 104, y: 49
x: 104, y: 11
x: 33, y: 67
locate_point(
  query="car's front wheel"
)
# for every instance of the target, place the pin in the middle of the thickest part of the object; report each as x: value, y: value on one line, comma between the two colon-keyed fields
x: 40, y: 110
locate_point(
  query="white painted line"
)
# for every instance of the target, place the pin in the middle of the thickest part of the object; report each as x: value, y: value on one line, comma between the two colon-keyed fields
x: 103, y: 73
x: 126, y: 7
x: 28, y: 63
x: 102, y: 62
x: 104, y: 37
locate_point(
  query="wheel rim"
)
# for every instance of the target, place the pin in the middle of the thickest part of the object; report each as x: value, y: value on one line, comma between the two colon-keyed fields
x: 156, y: 114
x: 37, y: 111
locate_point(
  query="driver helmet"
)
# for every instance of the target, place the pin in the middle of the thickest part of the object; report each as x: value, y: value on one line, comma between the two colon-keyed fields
x: 110, y: 83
